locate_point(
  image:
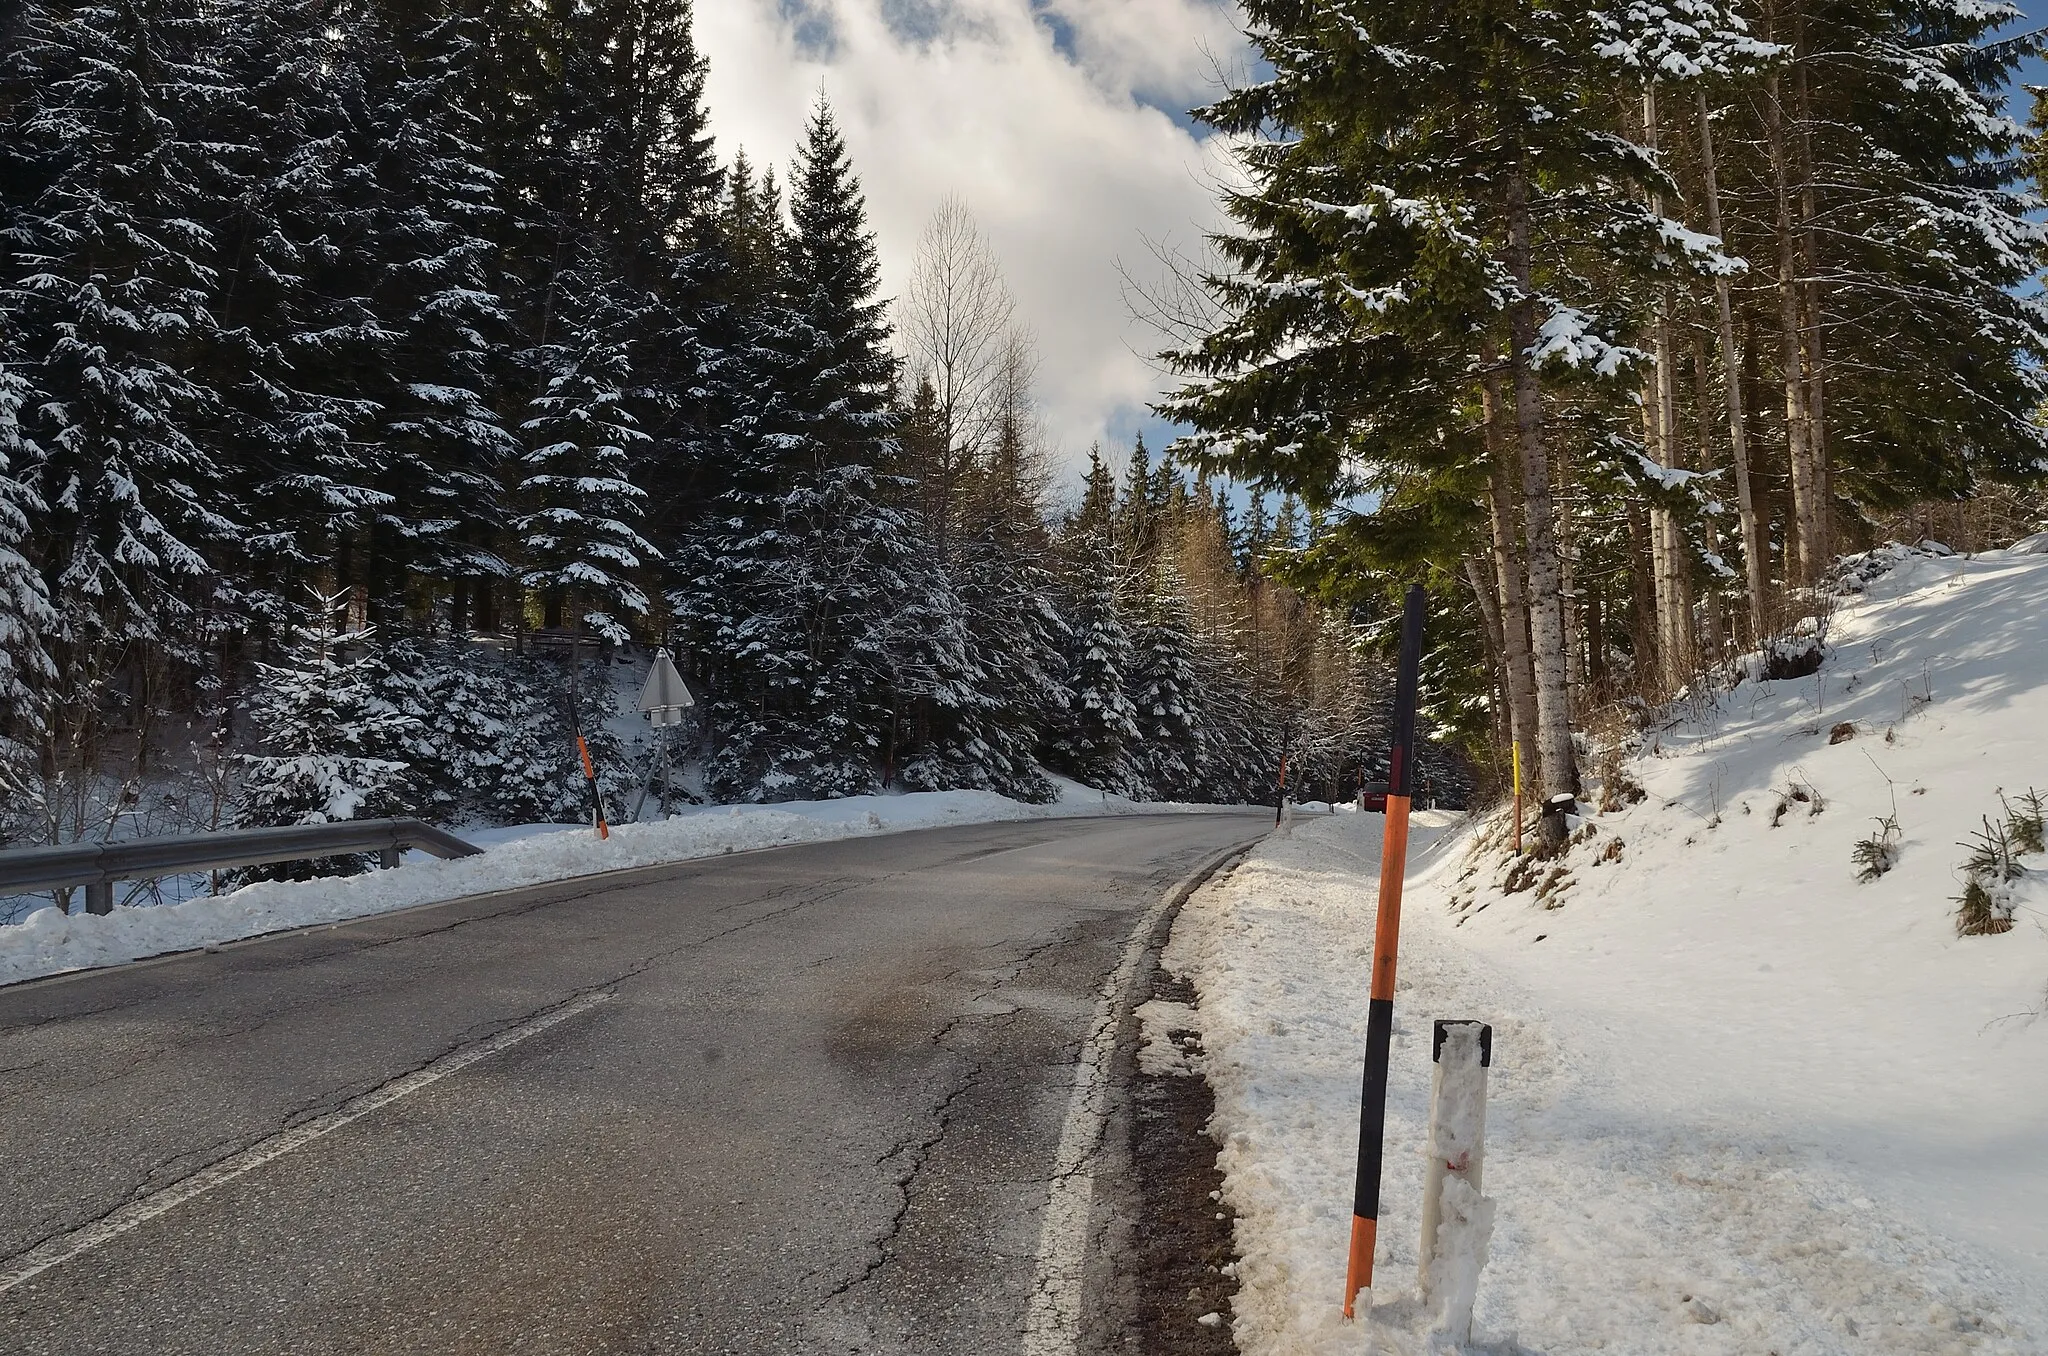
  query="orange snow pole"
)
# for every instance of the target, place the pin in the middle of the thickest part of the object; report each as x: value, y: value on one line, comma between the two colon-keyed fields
x: 590, y: 780
x: 1379, y: 1025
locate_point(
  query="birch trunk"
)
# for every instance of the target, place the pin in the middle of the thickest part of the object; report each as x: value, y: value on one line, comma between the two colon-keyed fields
x: 1557, y: 760
x: 1755, y: 560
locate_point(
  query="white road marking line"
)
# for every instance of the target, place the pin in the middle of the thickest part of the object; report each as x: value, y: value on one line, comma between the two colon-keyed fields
x: 16, y: 1270
x: 1052, y: 1322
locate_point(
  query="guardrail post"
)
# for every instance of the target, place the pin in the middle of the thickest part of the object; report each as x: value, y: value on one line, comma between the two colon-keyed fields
x: 1454, y: 1242
x: 99, y: 897
x: 388, y: 858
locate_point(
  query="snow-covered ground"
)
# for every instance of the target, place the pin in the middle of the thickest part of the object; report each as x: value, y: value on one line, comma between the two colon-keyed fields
x: 49, y: 941
x: 1741, y: 1102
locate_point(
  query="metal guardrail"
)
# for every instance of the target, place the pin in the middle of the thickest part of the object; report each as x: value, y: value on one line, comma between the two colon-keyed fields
x: 97, y: 866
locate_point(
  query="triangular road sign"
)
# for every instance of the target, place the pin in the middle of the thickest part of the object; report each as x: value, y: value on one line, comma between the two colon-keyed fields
x: 665, y: 697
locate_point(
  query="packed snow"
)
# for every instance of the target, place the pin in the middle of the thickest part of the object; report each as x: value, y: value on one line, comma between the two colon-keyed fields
x: 1741, y: 1101
x: 50, y: 941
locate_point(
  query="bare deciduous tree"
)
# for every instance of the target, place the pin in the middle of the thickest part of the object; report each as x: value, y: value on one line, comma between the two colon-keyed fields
x: 956, y: 320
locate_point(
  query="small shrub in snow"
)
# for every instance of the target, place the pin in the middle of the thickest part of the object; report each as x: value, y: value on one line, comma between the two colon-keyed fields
x: 1797, y: 793
x: 1979, y: 913
x: 1618, y: 790
x: 1879, y: 852
x: 1993, y: 857
x: 1985, y: 908
x: 2024, y: 824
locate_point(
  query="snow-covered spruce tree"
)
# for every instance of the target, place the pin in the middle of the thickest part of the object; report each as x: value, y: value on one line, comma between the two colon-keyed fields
x: 1434, y: 251
x: 745, y: 647
x: 579, y: 547
x: 1017, y: 638
x: 331, y: 746
x: 1166, y: 694
x: 1097, y: 742
x: 25, y: 612
x: 292, y: 334
x: 1908, y: 230
x: 109, y: 273
x: 676, y: 182
x: 493, y: 737
x: 443, y: 340
x: 846, y: 573
x: 801, y: 580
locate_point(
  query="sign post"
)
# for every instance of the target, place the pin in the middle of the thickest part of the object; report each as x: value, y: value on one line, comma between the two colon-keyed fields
x: 1379, y: 1024
x: 663, y: 701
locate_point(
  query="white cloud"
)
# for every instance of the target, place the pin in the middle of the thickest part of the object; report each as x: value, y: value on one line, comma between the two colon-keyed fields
x: 1040, y: 122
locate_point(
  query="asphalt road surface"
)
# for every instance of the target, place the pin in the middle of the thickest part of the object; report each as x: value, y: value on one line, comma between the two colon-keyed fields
x: 805, y: 1100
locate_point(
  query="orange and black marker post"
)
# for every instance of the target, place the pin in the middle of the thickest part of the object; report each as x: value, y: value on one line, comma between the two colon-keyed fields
x: 1379, y: 1022
x: 596, y: 797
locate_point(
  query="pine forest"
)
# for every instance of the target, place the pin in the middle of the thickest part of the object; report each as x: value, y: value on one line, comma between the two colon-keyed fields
x: 375, y: 381
x: 1619, y: 324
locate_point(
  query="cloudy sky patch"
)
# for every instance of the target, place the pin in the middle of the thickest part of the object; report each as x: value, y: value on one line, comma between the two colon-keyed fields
x: 1061, y: 124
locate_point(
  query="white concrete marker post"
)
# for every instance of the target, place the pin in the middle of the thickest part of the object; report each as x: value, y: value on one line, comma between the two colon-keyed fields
x: 1457, y: 1221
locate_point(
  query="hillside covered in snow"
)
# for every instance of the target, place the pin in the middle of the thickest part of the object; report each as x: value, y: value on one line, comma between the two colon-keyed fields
x: 1749, y: 1094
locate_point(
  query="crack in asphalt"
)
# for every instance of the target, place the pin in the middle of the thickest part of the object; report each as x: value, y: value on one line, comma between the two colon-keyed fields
x: 905, y: 1182
x: 974, y: 1078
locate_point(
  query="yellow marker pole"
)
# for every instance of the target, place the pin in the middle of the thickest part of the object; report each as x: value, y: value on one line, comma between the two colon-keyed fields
x: 1518, y: 797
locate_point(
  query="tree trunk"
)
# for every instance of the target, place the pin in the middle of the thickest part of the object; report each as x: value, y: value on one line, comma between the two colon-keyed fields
x: 1556, y: 759
x: 1642, y: 582
x: 1596, y: 647
x: 1792, y: 368
x: 1755, y: 558
x: 1650, y: 637
x: 1507, y: 564
x: 1711, y: 630
x: 1674, y: 593
x: 1667, y: 538
x: 1477, y: 575
x: 1568, y: 559
x: 1816, y: 421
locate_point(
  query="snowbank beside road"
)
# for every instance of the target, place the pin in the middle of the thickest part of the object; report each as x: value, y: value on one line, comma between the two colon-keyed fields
x: 1624, y: 1224
x: 49, y: 942
x: 1742, y: 1101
